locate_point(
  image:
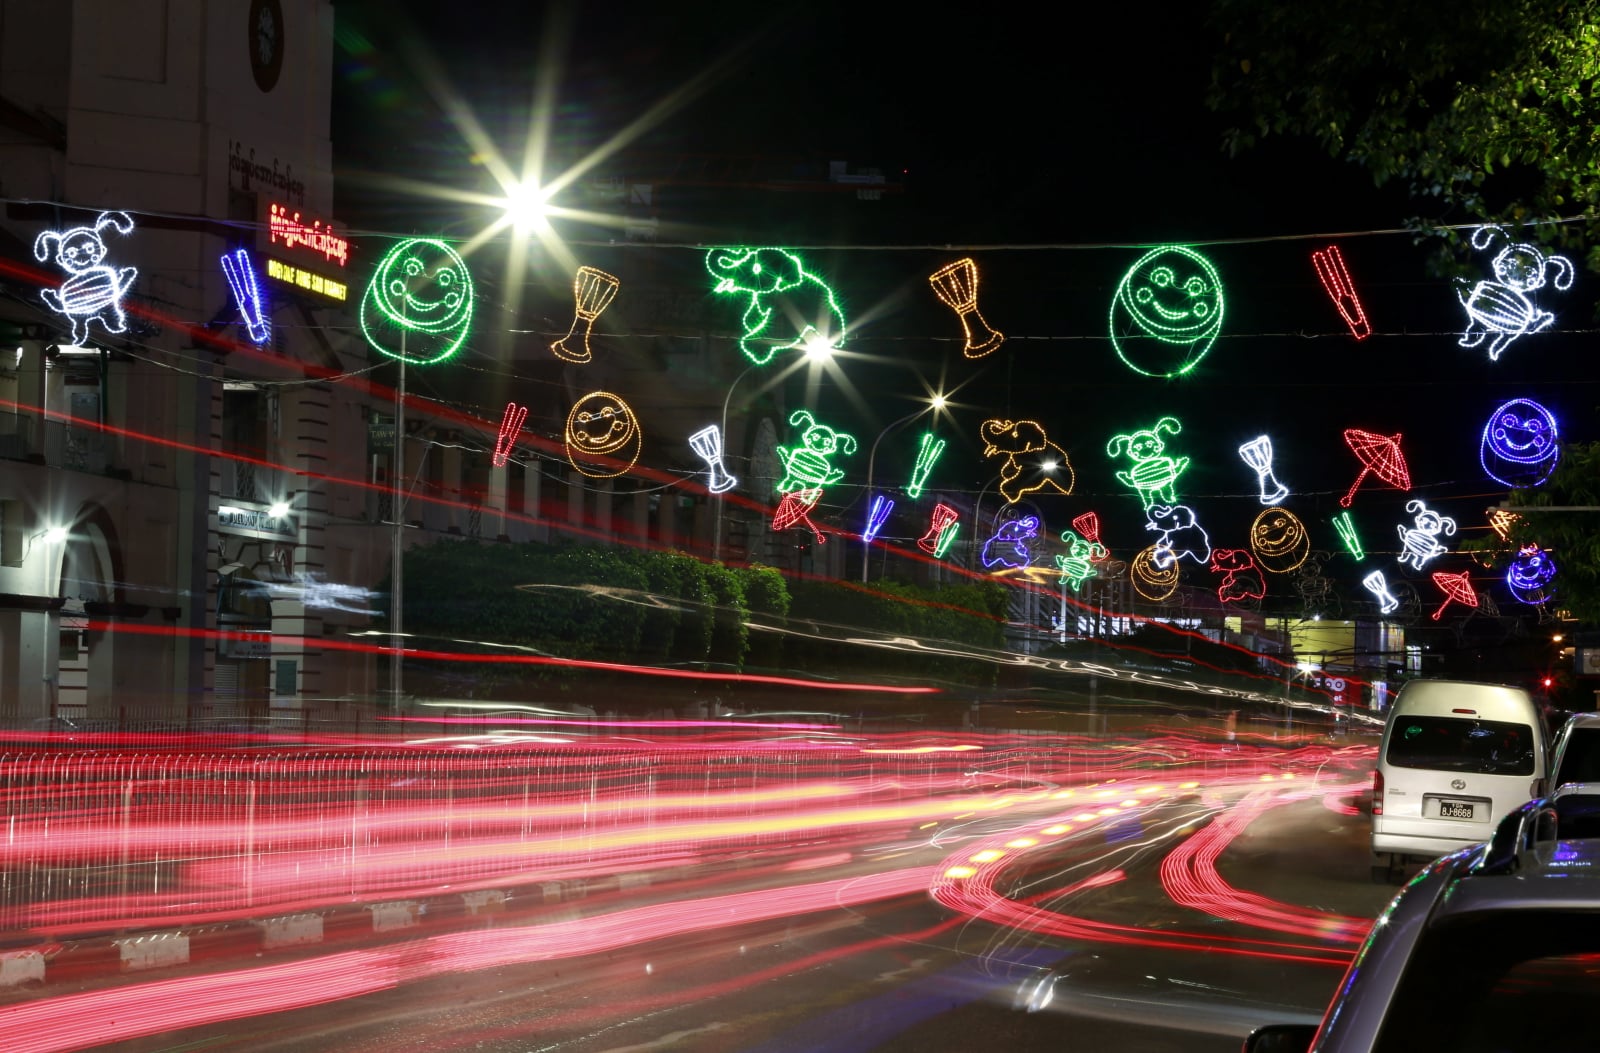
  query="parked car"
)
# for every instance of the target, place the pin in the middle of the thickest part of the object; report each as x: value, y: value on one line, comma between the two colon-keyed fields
x: 1575, y: 753
x: 1456, y: 757
x: 1490, y: 948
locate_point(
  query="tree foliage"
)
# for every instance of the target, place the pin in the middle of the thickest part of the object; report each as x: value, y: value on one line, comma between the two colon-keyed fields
x: 1572, y: 538
x: 1486, y: 108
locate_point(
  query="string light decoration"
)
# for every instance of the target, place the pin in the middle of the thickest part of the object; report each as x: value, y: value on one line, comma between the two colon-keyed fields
x: 1530, y: 575
x: 1457, y: 588
x: 1279, y: 541
x: 602, y: 436
x: 1077, y: 564
x: 1241, y: 580
x: 1153, y: 581
x: 1181, y: 536
x: 1167, y: 312
x: 809, y: 318
x: 1419, y: 543
x: 1378, y: 585
x: 1329, y: 264
x: 810, y: 464
x: 1501, y: 520
x: 241, y: 275
x: 93, y: 291
x: 592, y: 291
x: 1502, y: 306
x: 941, y: 531
x: 1009, y: 546
x: 1520, y: 446
x: 1154, y: 475
x: 1379, y: 455
x: 795, y: 509
x: 1257, y: 453
x: 418, y: 305
x: 876, y: 517
x: 1088, y: 524
x: 1345, y: 527
x: 956, y: 285
x: 510, y: 427
x: 1032, y: 461
x: 927, y: 456
x: 707, y: 445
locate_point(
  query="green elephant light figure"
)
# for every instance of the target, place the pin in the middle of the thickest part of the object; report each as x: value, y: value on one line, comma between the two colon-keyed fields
x: 776, y: 281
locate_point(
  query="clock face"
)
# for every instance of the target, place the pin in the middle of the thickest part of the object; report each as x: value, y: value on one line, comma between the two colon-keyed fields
x: 265, y: 29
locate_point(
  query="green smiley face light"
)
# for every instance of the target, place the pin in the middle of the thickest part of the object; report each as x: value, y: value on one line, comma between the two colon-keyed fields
x: 1167, y: 312
x: 418, y: 306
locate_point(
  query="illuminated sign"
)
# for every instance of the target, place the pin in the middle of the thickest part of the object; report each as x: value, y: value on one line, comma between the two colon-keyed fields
x: 308, y: 281
x: 286, y: 228
x: 255, y: 521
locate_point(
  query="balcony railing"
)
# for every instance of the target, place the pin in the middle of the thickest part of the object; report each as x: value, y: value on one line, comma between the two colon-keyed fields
x: 59, y: 444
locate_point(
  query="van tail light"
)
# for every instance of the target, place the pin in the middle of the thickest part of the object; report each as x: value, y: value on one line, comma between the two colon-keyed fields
x: 1377, y: 792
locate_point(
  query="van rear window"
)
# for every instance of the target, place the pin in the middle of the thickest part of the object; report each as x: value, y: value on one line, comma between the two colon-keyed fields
x: 1490, y: 747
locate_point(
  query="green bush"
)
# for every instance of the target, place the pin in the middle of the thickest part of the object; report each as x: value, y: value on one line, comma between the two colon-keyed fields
x: 730, y: 637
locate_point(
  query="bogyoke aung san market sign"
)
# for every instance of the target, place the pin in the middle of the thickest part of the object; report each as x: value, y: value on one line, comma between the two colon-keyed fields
x: 293, y: 239
x: 256, y: 522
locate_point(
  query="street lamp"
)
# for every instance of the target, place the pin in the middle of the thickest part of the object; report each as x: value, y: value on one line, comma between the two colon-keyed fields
x: 935, y: 404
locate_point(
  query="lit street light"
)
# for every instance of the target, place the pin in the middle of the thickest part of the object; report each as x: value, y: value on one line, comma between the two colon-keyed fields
x: 935, y: 404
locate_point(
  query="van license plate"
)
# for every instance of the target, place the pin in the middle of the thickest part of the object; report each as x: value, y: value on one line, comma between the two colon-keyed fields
x: 1455, y: 809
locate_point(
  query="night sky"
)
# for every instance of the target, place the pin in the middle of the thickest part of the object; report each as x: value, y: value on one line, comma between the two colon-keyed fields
x: 1000, y: 129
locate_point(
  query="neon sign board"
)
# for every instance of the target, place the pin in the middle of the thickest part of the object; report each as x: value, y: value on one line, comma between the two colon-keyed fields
x: 309, y: 281
x: 286, y: 228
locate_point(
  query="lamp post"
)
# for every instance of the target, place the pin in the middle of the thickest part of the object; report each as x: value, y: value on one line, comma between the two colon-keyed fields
x: 936, y: 403
x: 716, y: 519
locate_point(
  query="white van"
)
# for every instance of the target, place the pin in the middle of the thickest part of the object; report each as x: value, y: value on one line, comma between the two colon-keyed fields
x: 1456, y: 758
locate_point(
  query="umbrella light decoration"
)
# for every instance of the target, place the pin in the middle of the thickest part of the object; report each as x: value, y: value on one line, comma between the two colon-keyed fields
x: 956, y: 285
x: 510, y: 427
x: 1329, y: 264
x: 1457, y: 588
x: 593, y: 290
x: 877, y: 515
x: 941, y: 530
x: 1380, y: 455
x: 795, y: 509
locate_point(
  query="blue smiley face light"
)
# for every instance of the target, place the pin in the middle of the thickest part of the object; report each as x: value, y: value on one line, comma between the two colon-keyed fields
x: 1520, y: 446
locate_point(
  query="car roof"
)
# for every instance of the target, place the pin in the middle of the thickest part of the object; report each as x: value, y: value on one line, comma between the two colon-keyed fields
x: 1583, y: 720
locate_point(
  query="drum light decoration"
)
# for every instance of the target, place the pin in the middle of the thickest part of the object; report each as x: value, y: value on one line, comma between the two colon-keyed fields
x: 1009, y: 546
x: 1345, y: 527
x: 1379, y: 455
x: 92, y: 291
x: 941, y: 530
x: 602, y: 436
x: 1329, y: 264
x: 1077, y: 564
x: 1520, y: 445
x: 1457, y: 588
x: 1154, y: 474
x: 1378, y: 585
x: 592, y: 291
x: 1032, y: 461
x: 1502, y: 306
x: 707, y: 445
x: 956, y: 285
x: 510, y: 427
x: 876, y: 517
x: 795, y: 509
x: 927, y: 456
x: 1153, y: 581
x: 241, y: 275
x: 1181, y: 536
x: 1167, y: 312
x: 1530, y: 575
x: 1241, y: 580
x: 418, y: 305
x: 789, y: 308
x: 810, y: 463
x: 1419, y: 543
x: 1088, y: 524
x: 1279, y: 541
x: 1257, y: 453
